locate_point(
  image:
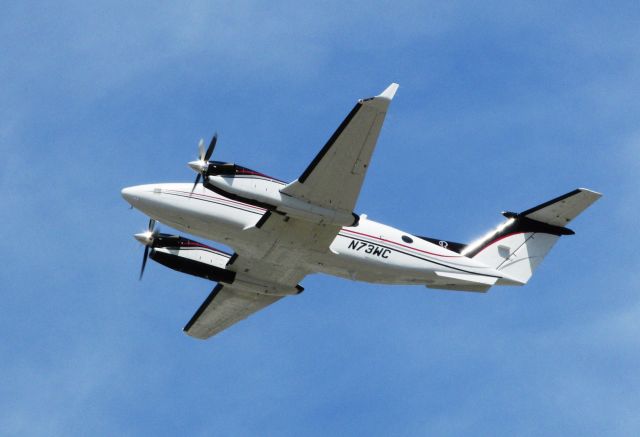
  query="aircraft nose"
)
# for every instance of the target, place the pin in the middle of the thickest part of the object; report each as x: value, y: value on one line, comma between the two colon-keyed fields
x: 131, y: 195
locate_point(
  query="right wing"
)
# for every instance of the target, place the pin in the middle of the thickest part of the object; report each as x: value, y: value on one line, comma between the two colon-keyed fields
x: 226, y: 305
x: 334, y: 178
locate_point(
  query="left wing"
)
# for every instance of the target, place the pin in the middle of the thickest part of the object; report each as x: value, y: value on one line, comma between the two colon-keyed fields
x: 334, y: 178
x: 268, y: 270
x: 226, y: 305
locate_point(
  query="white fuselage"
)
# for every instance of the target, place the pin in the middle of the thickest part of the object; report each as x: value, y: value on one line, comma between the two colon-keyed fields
x: 368, y: 251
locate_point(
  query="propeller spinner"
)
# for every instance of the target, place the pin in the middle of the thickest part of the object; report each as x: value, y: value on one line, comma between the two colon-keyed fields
x: 147, y: 238
x: 202, y: 163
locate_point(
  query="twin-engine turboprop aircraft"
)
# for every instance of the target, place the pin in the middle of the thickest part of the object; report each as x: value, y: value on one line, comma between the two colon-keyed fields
x: 282, y: 232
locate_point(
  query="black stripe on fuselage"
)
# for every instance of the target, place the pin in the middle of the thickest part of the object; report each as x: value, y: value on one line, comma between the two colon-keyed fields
x: 449, y: 245
x: 212, y: 201
x: 262, y: 178
x: 375, y: 242
x: 303, y: 177
x: 237, y: 198
x: 520, y: 225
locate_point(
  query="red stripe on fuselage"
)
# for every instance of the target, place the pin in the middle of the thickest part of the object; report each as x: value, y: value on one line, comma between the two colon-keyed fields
x: 220, y: 198
x: 192, y: 243
x: 501, y: 238
x: 400, y: 244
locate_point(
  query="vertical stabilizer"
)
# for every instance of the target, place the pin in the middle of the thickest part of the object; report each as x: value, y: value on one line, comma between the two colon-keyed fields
x: 518, y: 245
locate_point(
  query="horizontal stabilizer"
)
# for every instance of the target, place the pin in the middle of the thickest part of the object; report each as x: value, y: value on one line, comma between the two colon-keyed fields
x: 468, y: 278
x: 563, y: 209
x: 462, y: 282
x: 478, y: 288
x: 517, y: 246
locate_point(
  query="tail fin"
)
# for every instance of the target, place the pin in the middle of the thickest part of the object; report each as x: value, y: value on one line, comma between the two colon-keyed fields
x: 518, y: 245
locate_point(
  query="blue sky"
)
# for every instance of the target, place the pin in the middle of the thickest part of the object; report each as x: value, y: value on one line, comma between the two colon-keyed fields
x: 501, y: 106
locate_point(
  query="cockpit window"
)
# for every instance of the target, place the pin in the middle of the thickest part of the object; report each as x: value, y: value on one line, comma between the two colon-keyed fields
x: 407, y: 239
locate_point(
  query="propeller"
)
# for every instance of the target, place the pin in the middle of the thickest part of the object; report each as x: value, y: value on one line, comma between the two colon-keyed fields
x: 147, y: 239
x: 202, y: 164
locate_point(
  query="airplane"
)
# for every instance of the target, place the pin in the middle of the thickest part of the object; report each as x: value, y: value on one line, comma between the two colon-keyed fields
x: 281, y: 232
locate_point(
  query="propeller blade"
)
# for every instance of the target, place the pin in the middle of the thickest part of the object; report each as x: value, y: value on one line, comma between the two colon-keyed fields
x: 147, y: 238
x: 144, y: 261
x: 195, y: 183
x: 201, y: 149
x: 212, y: 145
x: 203, y: 157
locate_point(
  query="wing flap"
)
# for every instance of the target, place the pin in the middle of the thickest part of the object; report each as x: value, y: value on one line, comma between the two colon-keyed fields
x: 334, y: 178
x: 225, y: 306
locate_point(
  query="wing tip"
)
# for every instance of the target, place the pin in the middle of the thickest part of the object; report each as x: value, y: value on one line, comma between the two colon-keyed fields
x: 389, y: 92
x: 192, y: 334
x: 592, y: 193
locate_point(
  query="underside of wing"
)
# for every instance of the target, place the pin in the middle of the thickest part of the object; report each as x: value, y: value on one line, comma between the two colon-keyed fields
x: 334, y: 178
x: 263, y: 273
x: 225, y: 306
x: 281, y: 248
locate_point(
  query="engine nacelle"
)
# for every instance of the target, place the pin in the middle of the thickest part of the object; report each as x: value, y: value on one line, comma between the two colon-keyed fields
x: 188, y: 256
x: 246, y: 184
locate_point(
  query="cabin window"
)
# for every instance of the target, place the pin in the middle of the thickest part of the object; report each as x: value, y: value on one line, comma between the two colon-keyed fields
x: 407, y: 239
